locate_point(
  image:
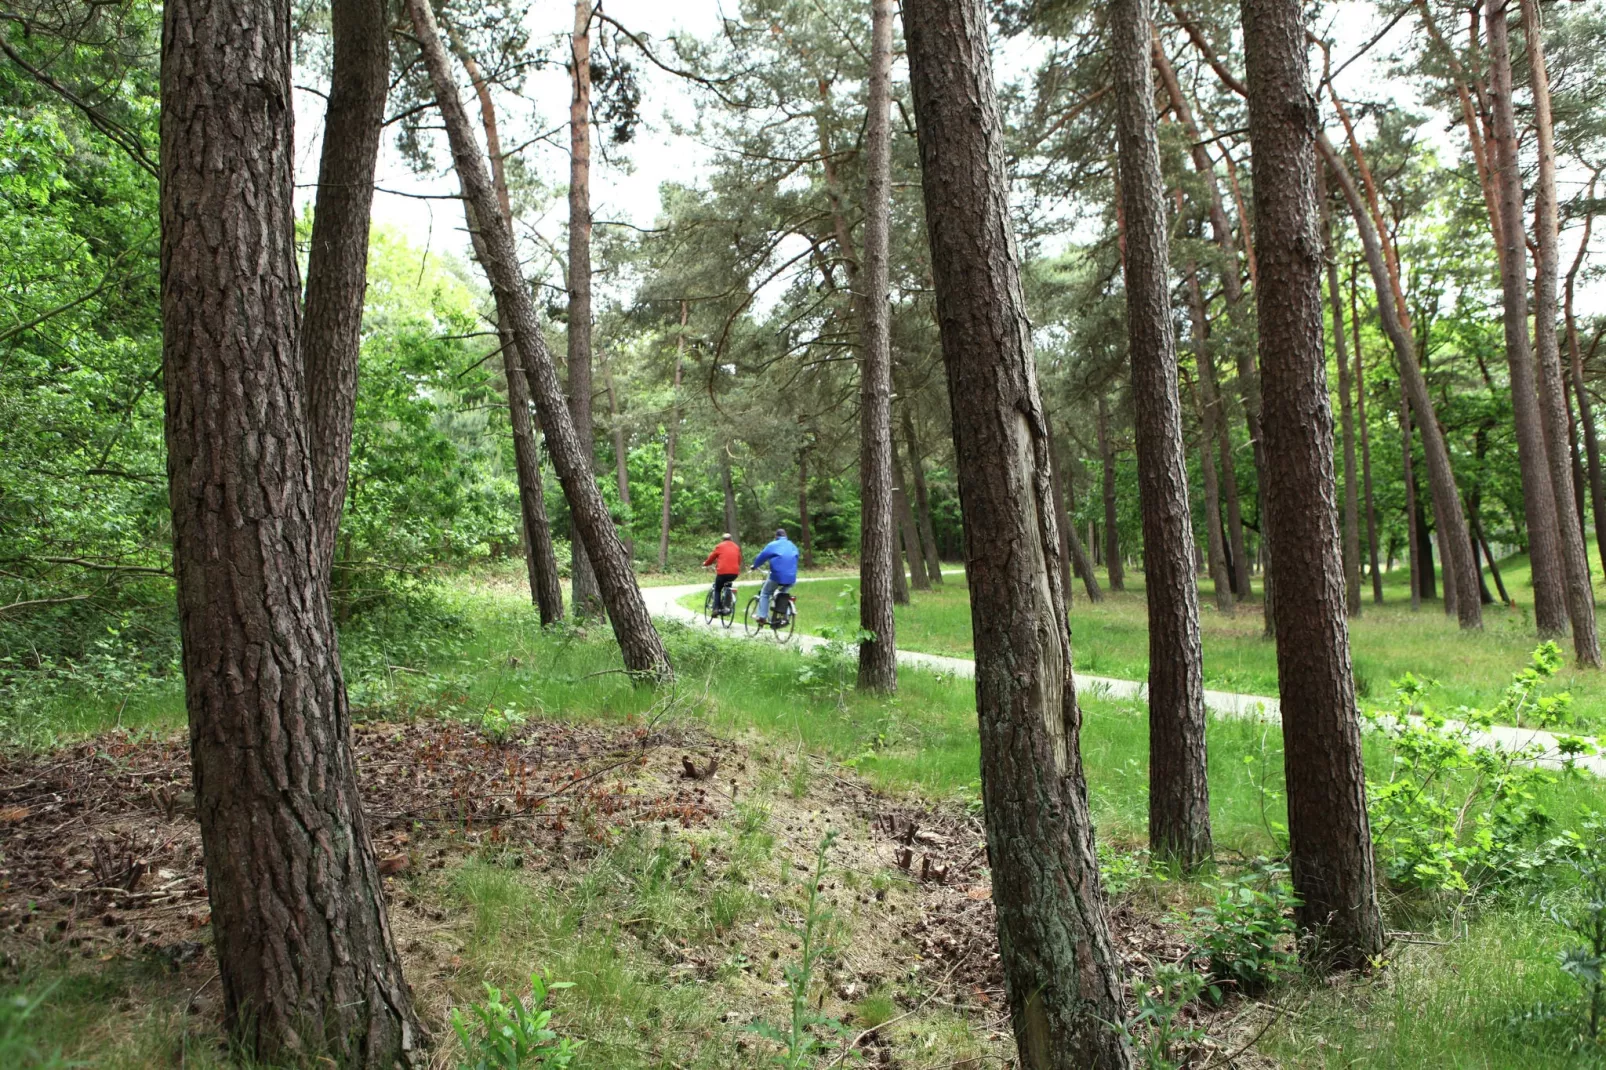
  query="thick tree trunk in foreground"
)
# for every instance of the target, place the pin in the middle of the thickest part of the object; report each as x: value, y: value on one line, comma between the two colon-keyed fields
x: 639, y: 642
x: 583, y: 567
x: 1552, y: 399
x: 1330, y: 843
x: 1060, y: 970
x: 540, y: 558
x: 672, y: 439
x: 1112, y: 533
x: 1451, y: 522
x: 1211, y: 420
x: 1366, y: 440
x: 1352, y: 504
x: 917, y: 469
x: 1179, y: 790
x: 1538, y: 491
x: 878, y: 656
x: 337, y: 258
x: 305, y: 955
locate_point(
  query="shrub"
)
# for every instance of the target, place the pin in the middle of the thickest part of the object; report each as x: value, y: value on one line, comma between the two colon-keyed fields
x: 507, y: 1036
x: 1246, y: 937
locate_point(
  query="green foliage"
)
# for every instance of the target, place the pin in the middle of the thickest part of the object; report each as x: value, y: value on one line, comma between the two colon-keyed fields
x: 1457, y: 813
x: 798, y: 1038
x: 499, y: 1035
x: 1246, y: 937
x: 1158, y: 1030
x: 832, y: 667
x: 1583, y: 914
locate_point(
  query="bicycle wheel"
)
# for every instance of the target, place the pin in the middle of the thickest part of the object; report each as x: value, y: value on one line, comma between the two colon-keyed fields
x: 783, y: 631
x: 710, y: 608
x: 727, y: 611
x: 750, y: 617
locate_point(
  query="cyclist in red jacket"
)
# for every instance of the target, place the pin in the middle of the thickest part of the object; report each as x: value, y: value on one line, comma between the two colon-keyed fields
x: 727, y: 563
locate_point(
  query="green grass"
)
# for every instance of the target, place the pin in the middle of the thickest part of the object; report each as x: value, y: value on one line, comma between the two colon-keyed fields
x: 1111, y: 639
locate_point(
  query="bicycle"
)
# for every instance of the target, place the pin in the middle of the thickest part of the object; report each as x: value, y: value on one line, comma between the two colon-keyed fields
x: 782, y: 619
x: 724, y: 610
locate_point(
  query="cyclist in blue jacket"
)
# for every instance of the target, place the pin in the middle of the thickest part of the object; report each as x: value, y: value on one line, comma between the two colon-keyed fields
x: 781, y: 556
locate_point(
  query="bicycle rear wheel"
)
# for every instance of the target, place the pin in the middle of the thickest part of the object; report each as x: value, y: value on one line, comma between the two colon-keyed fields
x: 727, y: 611
x: 750, y: 618
x: 783, y: 632
x: 710, y: 608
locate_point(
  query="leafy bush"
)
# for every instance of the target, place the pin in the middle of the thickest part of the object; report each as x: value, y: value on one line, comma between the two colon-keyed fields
x: 1246, y: 937
x: 1458, y: 812
x: 1157, y: 1030
x: 507, y: 1036
x: 1584, y: 915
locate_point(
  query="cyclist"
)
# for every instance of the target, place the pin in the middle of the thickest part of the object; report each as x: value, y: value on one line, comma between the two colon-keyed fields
x: 726, y: 561
x: 781, y: 554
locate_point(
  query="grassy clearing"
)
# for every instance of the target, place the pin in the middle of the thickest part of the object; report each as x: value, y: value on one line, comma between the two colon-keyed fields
x: 666, y: 935
x: 1111, y: 639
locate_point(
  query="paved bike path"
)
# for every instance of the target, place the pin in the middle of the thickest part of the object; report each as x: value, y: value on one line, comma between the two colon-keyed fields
x: 665, y: 602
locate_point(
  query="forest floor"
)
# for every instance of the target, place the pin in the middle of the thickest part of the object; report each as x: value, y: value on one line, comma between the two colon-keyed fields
x: 1111, y: 639
x: 535, y: 811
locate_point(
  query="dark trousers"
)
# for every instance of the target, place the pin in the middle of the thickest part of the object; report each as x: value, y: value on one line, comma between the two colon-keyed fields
x: 720, y: 583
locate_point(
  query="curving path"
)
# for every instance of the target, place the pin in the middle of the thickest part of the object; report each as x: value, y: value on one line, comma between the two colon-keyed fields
x: 665, y: 602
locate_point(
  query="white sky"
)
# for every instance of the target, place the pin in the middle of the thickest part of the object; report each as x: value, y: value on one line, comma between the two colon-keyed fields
x: 657, y: 155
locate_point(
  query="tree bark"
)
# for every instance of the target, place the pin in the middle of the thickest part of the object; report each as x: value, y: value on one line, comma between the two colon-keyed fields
x: 1586, y: 414
x: 1330, y: 843
x: 1080, y: 560
x: 1062, y: 519
x: 731, y: 524
x: 1366, y: 440
x: 1450, y: 521
x: 1494, y: 569
x: 670, y: 444
x: 1552, y: 400
x: 621, y: 465
x: 583, y: 580
x: 1179, y: 790
x: 1211, y: 419
x: 337, y: 258
x: 540, y: 557
x: 805, y: 534
x: 1352, y: 508
x: 878, y: 655
x: 908, y: 533
x: 1061, y: 975
x: 639, y: 642
x: 306, y: 959
x: 1413, y: 526
x: 1112, y: 533
x: 1241, y: 585
x: 922, y: 502
x: 1538, y: 490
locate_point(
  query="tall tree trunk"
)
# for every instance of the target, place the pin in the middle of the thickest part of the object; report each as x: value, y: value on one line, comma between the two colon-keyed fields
x: 337, y: 258
x: 621, y: 465
x: 1352, y: 508
x: 1211, y: 419
x: 639, y: 642
x: 669, y: 445
x: 878, y: 542
x: 1366, y: 439
x: 1061, y: 974
x: 1412, y: 526
x: 922, y: 501
x: 1062, y: 519
x: 305, y: 955
x: 1450, y: 521
x: 583, y: 568
x: 1112, y: 532
x: 1330, y: 843
x: 1580, y: 481
x: 730, y: 491
x: 1241, y: 585
x: 1552, y: 402
x: 1586, y: 414
x: 1494, y: 569
x: 1538, y: 490
x: 805, y: 532
x: 908, y: 533
x: 540, y: 557
x: 1424, y: 546
x: 1080, y: 561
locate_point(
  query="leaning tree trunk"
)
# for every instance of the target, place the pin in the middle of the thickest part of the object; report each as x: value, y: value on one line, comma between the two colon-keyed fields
x: 1450, y: 520
x: 928, y: 533
x: 1112, y: 534
x: 1352, y: 504
x: 1061, y: 974
x: 1538, y: 490
x: 337, y: 257
x: 1366, y: 439
x: 583, y: 566
x: 1179, y: 789
x: 909, y: 530
x: 1552, y: 400
x: 878, y: 654
x: 639, y: 641
x: 1211, y: 418
x: 306, y: 959
x: 1330, y: 843
x: 540, y: 557
x: 669, y: 446
x: 1081, y: 563
x: 1586, y: 414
